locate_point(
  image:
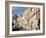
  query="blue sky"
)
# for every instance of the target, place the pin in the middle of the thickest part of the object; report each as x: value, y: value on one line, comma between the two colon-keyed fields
x: 18, y: 10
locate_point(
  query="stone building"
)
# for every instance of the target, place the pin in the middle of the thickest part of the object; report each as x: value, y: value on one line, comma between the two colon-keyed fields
x: 29, y: 19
